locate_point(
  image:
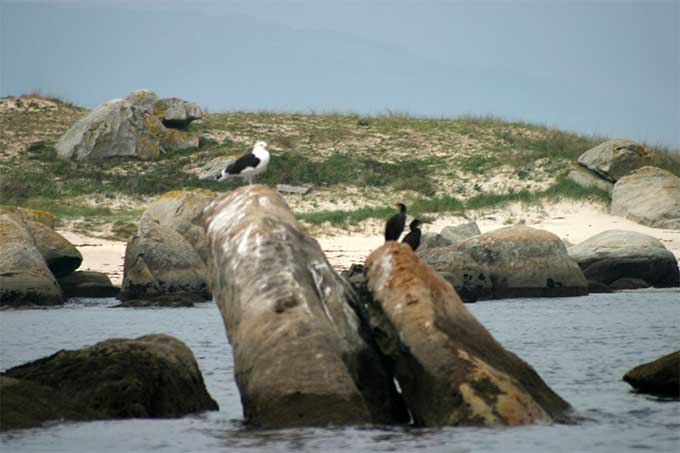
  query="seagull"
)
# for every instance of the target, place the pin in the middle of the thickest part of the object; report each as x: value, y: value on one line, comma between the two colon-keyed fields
x: 249, y: 165
x: 395, y: 225
x: 413, y: 237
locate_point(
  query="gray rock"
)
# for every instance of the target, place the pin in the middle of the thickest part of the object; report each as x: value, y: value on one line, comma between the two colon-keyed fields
x: 88, y: 284
x: 61, y: 256
x: 213, y: 169
x: 159, y: 261
x: 659, y: 377
x: 616, y: 158
x: 176, y: 112
x: 182, y: 210
x: 144, y: 99
x: 650, y: 196
x: 589, y: 179
x: 459, y: 233
x: 171, y: 300
x: 432, y: 240
x: 301, y: 352
x: 176, y: 140
x: 517, y: 261
x: 113, y: 129
x: 628, y: 283
x: 148, y: 377
x: 615, y: 254
x: 450, y: 369
x: 25, y: 278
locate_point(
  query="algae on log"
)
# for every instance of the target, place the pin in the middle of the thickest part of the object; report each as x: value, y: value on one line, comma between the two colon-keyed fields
x: 302, y: 355
x: 449, y: 367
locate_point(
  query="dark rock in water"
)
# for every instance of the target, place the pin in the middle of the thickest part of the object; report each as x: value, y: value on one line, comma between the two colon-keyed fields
x: 302, y: 353
x: 88, y: 284
x: 26, y: 404
x: 150, y: 377
x: 173, y: 300
x: 660, y: 377
x: 616, y: 254
x: 160, y: 261
x: 25, y: 278
x: 516, y: 261
x: 598, y: 287
x: 628, y: 283
x: 450, y: 369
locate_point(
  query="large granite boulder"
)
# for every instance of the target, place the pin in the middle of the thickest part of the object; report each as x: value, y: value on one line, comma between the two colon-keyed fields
x: 159, y: 261
x: 176, y: 112
x: 143, y: 99
x: 589, y: 179
x: 25, y: 278
x: 61, y: 256
x: 32, y: 215
x: 450, y: 369
x: 616, y: 158
x: 302, y: 355
x: 617, y: 254
x: 660, y: 377
x: 459, y: 233
x: 517, y: 261
x: 431, y: 240
x: 26, y: 404
x: 150, y: 377
x: 88, y: 284
x: 182, y: 210
x: 650, y: 196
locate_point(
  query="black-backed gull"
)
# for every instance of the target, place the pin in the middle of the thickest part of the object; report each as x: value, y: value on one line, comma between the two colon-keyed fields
x: 249, y: 165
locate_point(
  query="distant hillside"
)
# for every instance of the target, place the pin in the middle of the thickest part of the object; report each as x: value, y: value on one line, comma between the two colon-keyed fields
x: 357, y: 167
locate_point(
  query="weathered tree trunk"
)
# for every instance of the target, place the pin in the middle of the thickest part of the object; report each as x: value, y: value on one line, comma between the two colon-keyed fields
x: 450, y: 369
x: 301, y: 353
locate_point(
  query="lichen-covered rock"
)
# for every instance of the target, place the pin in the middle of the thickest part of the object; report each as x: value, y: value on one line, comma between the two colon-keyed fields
x: 144, y: 99
x: 150, y: 377
x: 450, y: 369
x: 176, y: 112
x: 301, y: 352
x: 25, y: 278
x: 182, y: 210
x: 517, y: 261
x: 616, y: 254
x: 660, y: 377
x: 88, y: 284
x: 650, y: 196
x: 61, y: 256
x: 616, y: 158
x: 459, y: 233
x: 176, y: 140
x: 33, y: 215
x: 159, y: 261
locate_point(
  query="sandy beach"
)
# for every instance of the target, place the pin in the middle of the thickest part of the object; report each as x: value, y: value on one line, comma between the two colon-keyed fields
x: 572, y: 221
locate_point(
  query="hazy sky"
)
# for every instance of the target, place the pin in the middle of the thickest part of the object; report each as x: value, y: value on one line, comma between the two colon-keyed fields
x: 604, y: 67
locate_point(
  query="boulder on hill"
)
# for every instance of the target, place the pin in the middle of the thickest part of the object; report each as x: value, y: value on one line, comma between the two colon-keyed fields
x: 459, y: 233
x: 517, y: 261
x: 649, y: 196
x: 152, y: 376
x: 25, y: 278
x: 159, y: 261
x: 617, y: 254
x: 659, y: 377
x: 450, y: 369
x: 176, y: 112
x: 302, y: 355
x: 616, y: 158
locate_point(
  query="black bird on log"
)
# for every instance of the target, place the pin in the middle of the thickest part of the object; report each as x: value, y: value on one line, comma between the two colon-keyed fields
x: 413, y: 237
x: 395, y: 225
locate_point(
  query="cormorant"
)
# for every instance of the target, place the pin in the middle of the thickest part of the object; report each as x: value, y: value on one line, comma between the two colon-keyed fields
x: 395, y: 225
x: 413, y: 237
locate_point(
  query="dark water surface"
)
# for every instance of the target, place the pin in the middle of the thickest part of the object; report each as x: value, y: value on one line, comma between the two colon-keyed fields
x: 580, y: 346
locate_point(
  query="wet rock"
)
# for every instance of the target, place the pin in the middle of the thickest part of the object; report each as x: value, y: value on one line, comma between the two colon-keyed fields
x: 616, y: 254
x: 61, y: 256
x: 517, y: 261
x: 88, y: 284
x: 459, y: 233
x: 649, y: 196
x: 628, y: 283
x: 159, y: 261
x: 616, y: 158
x: 660, y: 377
x: 25, y: 278
x: 149, y: 377
x: 173, y: 300
x: 302, y: 355
x: 598, y: 287
x: 450, y: 369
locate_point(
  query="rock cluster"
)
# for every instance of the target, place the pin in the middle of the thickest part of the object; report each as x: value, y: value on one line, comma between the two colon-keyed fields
x: 141, y: 126
x: 660, y: 377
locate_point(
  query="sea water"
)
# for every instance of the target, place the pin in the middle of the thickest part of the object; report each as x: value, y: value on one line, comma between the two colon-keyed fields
x: 580, y: 346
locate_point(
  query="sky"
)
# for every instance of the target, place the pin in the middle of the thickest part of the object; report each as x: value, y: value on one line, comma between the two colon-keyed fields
x: 604, y: 67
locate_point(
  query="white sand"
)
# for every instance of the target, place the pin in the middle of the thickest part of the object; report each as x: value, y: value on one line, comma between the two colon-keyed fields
x: 572, y: 221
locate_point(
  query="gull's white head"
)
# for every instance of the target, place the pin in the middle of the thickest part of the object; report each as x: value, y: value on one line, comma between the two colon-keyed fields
x: 260, y: 144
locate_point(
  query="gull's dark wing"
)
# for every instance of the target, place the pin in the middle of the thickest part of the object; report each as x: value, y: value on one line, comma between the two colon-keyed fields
x: 243, y: 162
